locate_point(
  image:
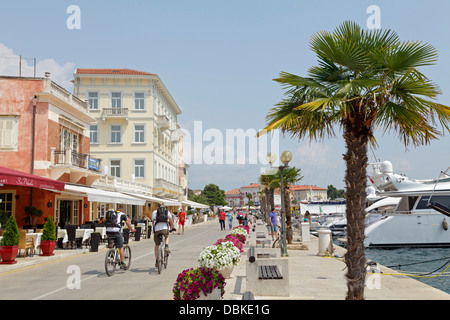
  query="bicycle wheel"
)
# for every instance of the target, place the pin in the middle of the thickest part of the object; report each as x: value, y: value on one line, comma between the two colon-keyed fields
x: 166, y: 259
x: 160, y: 258
x: 110, y: 262
x: 127, y: 256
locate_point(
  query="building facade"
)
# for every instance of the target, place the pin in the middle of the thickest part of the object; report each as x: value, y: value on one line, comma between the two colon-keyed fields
x: 302, y: 193
x: 44, y: 131
x: 135, y: 130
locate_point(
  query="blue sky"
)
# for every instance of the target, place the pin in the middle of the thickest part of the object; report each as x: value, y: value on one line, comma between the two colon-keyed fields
x: 218, y: 59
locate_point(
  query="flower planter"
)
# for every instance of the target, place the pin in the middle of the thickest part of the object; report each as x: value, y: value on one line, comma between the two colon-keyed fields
x: 47, y: 247
x: 226, y: 272
x: 214, y: 295
x: 9, y: 254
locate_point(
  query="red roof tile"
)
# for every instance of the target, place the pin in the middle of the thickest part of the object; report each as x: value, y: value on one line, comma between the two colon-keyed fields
x: 303, y: 187
x: 114, y: 71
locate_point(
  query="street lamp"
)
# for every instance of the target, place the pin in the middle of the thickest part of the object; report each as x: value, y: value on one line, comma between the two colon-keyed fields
x: 285, y: 158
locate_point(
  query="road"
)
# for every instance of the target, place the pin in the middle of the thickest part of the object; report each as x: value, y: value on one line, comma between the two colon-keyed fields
x: 82, y: 277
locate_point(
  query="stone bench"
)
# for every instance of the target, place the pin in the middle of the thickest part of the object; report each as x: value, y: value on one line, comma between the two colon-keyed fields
x: 268, y: 276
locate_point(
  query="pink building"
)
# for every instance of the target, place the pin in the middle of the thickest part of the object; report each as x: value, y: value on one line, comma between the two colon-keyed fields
x: 44, y: 131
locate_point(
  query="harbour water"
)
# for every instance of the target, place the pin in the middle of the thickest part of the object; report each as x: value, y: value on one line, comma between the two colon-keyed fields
x: 426, y: 264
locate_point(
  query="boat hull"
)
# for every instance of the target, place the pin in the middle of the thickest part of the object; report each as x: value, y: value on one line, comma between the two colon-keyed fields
x: 408, y: 230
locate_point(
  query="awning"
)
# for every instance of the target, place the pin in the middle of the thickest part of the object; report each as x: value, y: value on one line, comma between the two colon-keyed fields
x: 170, y: 202
x: 143, y: 196
x: 195, y: 204
x: 99, y: 195
x: 18, y: 178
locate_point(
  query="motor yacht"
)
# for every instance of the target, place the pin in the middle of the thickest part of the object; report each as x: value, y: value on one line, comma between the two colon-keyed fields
x: 407, y: 212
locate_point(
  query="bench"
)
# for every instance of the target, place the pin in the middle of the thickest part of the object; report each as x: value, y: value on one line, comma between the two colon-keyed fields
x: 269, y: 272
x: 267, y: 276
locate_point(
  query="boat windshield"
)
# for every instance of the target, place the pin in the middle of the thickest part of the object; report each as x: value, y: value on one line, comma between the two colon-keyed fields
x: 423, y: 202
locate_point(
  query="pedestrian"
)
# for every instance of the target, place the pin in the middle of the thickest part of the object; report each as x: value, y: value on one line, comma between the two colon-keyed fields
x: 307, y: 217
x: 181, y: 220
x: 222, y: 219
x: 230, y: 219
x: 273, y: 222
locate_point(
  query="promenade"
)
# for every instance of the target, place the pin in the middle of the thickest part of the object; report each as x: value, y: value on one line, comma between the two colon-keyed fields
x: 311, y: 277
x: 314, y: 277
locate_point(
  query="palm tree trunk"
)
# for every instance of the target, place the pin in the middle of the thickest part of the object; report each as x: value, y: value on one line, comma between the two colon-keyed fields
x: 356, y: 138
x: 287, y: 208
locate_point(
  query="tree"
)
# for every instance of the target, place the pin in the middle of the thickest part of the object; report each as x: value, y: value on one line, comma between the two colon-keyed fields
x: 333, y: 193
x: 364, y: 80
x: 291, y: 175
x: 213, y: 195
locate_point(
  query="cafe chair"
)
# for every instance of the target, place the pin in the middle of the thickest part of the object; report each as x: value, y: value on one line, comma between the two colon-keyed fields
x: 25, y: 243
x: 71, y: 236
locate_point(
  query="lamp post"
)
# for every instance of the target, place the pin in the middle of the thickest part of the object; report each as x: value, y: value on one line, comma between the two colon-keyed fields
x: 285, y: 158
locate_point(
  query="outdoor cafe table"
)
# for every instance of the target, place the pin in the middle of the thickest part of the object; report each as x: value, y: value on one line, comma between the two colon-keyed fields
x: 80, y: 233
x: 102, y: 231
x: 36, y: 239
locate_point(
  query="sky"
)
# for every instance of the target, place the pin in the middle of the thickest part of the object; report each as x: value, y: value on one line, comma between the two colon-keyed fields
x: 218, y: 59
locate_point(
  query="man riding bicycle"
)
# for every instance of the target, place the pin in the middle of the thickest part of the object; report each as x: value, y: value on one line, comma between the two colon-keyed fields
x: 113, y: 225
x: 161, y: 218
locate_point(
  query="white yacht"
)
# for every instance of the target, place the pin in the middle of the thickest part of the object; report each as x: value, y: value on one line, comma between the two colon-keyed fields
x: 402, y: 213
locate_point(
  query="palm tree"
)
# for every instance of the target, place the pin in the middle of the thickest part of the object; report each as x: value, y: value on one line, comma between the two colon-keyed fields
x: 364, y: 80
x: 291, y: 175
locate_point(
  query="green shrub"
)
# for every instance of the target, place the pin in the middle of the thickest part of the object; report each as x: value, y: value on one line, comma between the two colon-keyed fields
x: 11, y: 235
x: 49, y: 232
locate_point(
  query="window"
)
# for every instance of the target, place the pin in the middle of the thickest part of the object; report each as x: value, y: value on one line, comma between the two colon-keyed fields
x: 139, y: 168
x: 6, y: 203
x: 116, y: 100
x: 139, y: 133
x: 115, y: 134
x: 8, y: 133
x: 93, y: 100
x: 115, y: 168
x: 94, y: 133
x: 139, y: 101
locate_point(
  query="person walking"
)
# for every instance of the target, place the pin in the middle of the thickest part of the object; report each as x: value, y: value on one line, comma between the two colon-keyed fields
x: 181, y: 220
x: 230, y: 219
x: 273, y: 222
x: 222, y: 219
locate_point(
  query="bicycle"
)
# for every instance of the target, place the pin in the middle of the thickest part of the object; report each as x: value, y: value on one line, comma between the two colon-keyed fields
x: 112, y: 258
x: 162, y: 262
x: 278, y: 242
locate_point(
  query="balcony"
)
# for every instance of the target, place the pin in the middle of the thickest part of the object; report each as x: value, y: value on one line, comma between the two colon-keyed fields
x: 164, y: 188
x: 162, y: 122
x: 77, y: 165
x: 114, y: 113
x: 119, y: 184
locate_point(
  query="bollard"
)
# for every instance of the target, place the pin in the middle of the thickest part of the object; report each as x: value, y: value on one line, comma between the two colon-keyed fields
x: 305, y: 232
x: 324, y: 242
x: 251, y: 254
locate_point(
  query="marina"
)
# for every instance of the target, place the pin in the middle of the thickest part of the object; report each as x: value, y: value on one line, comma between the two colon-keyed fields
x: 323, y: 278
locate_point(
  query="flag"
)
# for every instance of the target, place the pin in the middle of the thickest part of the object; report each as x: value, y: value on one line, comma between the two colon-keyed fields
x: 320, y: 212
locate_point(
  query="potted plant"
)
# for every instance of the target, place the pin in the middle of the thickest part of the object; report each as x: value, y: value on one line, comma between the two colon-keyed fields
x: 234, y: 240
x: 222, y: 256
x: 32, y: 212
x: 236, y: 237
x: 48, y: 239
x: 200, y: 283
x: 10, y: 242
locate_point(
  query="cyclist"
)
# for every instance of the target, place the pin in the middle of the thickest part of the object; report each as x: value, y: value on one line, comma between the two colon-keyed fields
x: 161, y: 225
x: 113, y: 229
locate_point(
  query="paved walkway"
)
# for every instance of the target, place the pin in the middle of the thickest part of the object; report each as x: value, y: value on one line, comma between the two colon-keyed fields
x: 311, y: 277
x: 314, y: 277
